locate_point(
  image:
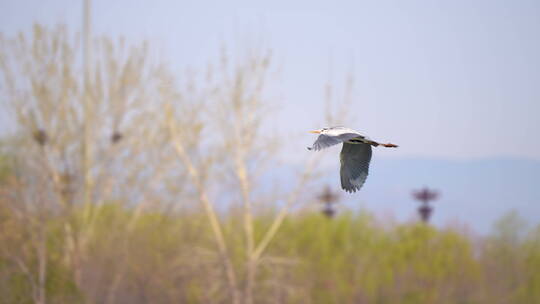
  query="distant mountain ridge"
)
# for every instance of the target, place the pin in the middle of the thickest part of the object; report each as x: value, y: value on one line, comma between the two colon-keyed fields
x: 475, y: 192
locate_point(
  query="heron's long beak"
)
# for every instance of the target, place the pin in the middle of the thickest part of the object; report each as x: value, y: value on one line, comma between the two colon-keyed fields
x: 315, y: 131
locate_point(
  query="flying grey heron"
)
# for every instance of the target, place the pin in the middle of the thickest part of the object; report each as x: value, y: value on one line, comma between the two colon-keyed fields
x: 355, y: 154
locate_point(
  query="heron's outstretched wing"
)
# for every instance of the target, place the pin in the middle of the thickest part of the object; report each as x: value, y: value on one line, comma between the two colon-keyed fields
x: 325, y: 141
x: 354, y: 165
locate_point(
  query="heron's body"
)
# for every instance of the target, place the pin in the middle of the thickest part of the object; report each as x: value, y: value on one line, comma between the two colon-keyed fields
x: 354, y: 157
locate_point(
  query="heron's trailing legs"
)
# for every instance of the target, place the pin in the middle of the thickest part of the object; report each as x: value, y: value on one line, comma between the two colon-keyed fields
x: 375, y: 144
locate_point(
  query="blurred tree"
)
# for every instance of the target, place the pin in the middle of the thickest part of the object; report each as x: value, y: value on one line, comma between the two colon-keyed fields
x: 425, y: 196
x: 504, y: 258
x: 40, y: 76
x: 328, y: 198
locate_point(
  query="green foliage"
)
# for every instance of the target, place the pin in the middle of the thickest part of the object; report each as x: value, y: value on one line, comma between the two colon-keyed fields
x: 530, y: 291
x: 350, y: 259
x: 134, y: 255
x: 5, y: 169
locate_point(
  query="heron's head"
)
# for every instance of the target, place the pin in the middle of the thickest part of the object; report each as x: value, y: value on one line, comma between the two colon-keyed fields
x: 320, y: 131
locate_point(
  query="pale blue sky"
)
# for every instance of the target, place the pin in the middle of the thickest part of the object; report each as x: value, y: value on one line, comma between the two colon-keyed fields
x: 445, y: 79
